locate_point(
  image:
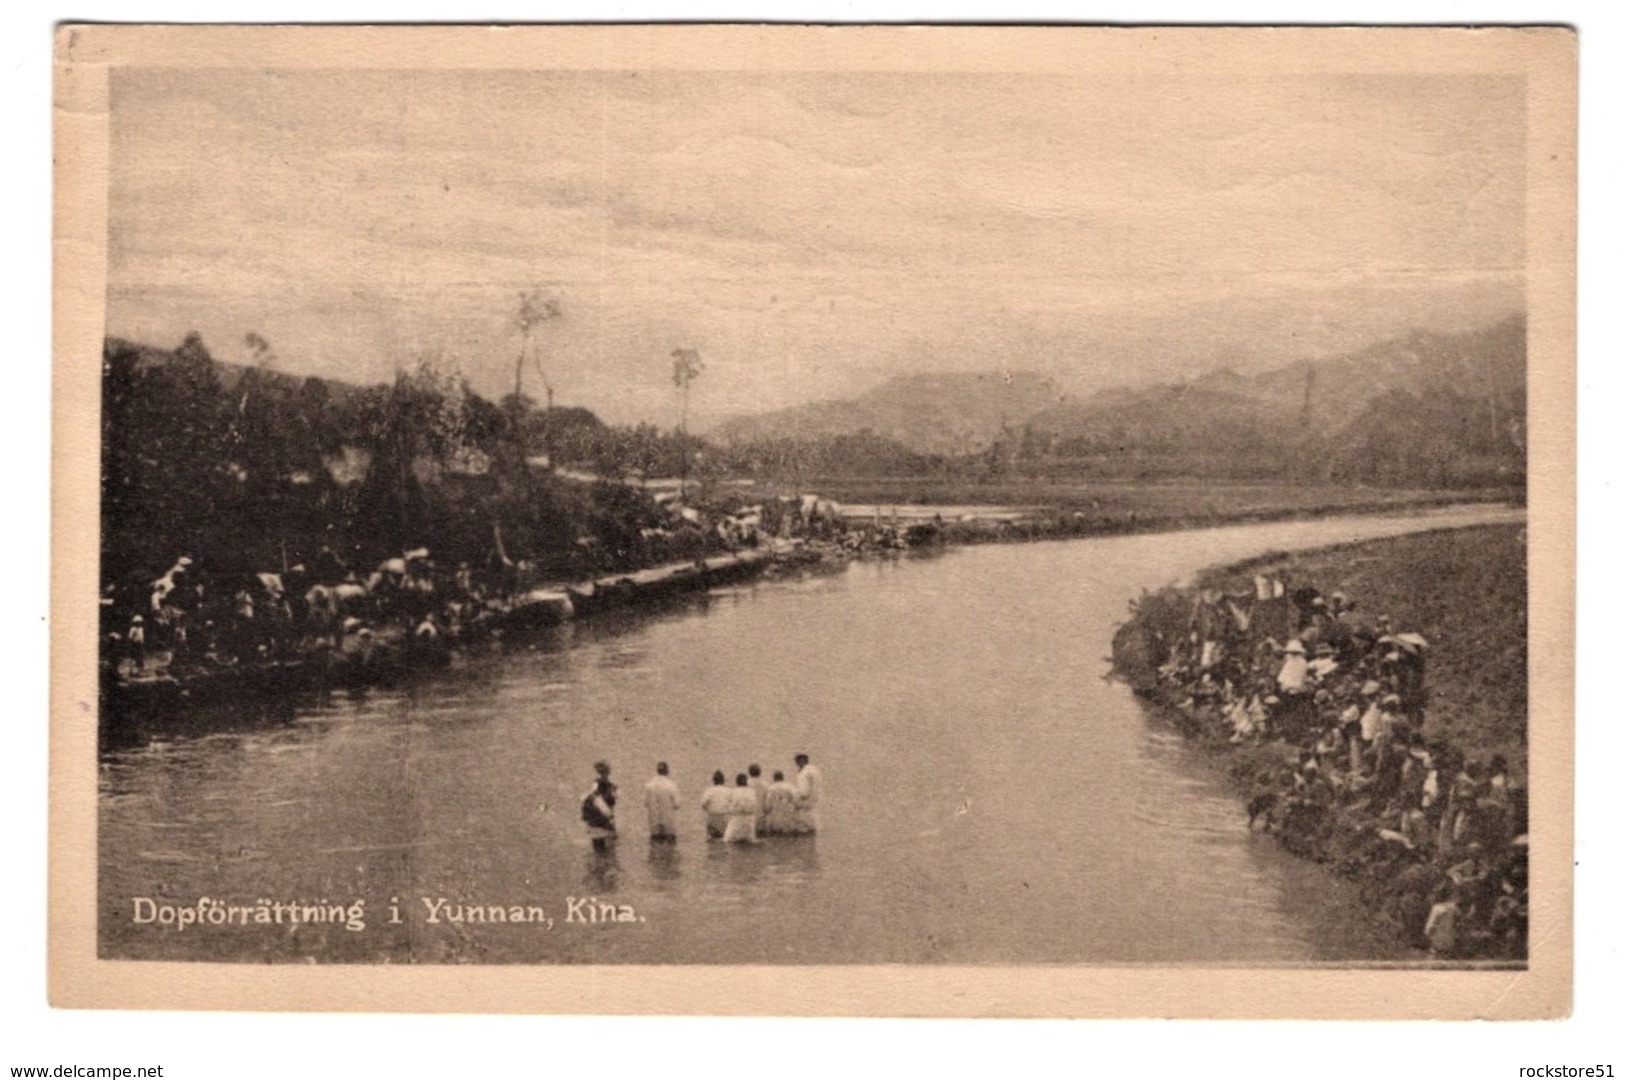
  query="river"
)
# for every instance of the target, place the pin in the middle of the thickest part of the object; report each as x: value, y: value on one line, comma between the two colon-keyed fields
x: 991, y: 798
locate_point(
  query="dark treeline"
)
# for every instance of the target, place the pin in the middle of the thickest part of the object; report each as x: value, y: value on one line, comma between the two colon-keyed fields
x: 254, y: 471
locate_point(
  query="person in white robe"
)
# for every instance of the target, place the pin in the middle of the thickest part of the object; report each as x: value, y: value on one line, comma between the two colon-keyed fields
x: 742, y: 810
x: 779, y: 806
x: 809, y: 791
x: 662, y: 802
x: 717, y: 802
x: 759, y: 786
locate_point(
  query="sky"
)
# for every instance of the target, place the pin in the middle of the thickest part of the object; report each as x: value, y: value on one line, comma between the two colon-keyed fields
x: 810, y: 234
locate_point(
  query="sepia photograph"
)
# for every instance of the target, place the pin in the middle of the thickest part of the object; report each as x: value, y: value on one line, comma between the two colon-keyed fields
x: 1039, y: 503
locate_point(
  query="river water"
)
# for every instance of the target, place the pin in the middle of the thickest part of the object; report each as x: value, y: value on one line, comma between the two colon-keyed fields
x: 990, y: 797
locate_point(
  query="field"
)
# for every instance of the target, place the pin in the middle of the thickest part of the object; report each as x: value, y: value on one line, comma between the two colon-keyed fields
x: 1171, y: 503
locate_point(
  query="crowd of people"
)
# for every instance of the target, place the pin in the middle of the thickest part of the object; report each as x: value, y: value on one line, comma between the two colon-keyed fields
x: 193, y: 618
x: 742, y: 813
x: 1440, y: 831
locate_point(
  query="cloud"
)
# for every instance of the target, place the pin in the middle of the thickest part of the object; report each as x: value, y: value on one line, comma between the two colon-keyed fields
x: 807, y: 232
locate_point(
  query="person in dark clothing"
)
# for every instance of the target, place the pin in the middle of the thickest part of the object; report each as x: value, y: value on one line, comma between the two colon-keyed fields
x: 598, y: 809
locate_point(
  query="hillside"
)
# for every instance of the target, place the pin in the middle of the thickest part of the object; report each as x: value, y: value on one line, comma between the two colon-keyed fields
x: 951, y: 413
x: 1325, y: 396
x: 229, y: 375
x: 1429, y: 408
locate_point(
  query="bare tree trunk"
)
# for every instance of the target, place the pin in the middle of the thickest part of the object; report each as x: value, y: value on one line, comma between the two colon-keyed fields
x: 682, y: 446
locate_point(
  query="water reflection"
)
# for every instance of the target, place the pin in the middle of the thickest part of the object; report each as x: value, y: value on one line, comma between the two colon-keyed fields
x: 665, y: 861
x: 603, y: 870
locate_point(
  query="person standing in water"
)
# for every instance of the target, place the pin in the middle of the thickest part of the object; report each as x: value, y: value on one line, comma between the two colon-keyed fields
x: 779, y: 807
x: 743, y: 807
x: 809, y: 790
x: 661, y: 800
x: 759, y: 786
x: 717, y: 802
x: 598, y: 809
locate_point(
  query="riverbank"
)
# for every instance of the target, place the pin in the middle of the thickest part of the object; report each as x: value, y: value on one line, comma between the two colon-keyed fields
x: 1369, y: 700
x: 1108, y: 506
x: 1181, y: 510
x: 295, y: 639
x: 407, y: 632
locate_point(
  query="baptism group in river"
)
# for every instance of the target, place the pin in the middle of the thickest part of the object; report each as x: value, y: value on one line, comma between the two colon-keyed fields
x: 741, y: 814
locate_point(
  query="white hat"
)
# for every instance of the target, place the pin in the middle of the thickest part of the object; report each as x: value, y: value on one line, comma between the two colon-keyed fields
x: 1294, y: 646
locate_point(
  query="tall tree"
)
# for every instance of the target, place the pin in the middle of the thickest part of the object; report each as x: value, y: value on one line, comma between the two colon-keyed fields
x: 534, y: 310
x: 686, y: 366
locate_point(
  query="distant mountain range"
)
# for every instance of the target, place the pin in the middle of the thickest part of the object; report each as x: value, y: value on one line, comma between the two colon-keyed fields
x: 1217, y: 412
x: 945, y: 413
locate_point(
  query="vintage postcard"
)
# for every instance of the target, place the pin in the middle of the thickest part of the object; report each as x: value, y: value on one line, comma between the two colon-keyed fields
x: 1045, y: 521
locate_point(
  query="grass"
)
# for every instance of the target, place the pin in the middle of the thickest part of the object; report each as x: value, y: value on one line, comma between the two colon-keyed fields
x: 1193, y: 499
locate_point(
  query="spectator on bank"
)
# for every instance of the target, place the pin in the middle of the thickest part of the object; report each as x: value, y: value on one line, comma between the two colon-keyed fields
x: 135, y: 640
x: 1293, y: 678
x: 1441, y: 925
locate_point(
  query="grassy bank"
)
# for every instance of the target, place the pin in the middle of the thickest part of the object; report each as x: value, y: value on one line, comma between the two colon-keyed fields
x: 1195, y: 500
x: 1402, y: 766
x: 1045, y: 511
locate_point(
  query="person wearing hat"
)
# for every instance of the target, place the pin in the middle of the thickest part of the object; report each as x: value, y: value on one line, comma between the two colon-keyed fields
x: 1294, y: 674
x: 135, y: 643
x: 598, y: 809
x: 1407, y: 660
x: 1296, y: 711
x: 809, y: 791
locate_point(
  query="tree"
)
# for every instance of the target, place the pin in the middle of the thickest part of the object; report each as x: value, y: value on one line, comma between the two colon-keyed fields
x: 686, y: 366
x: 534, y: 309
x: 259, y: 349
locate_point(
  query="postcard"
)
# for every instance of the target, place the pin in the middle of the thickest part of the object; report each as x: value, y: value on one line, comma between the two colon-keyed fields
x: 864, y: 520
